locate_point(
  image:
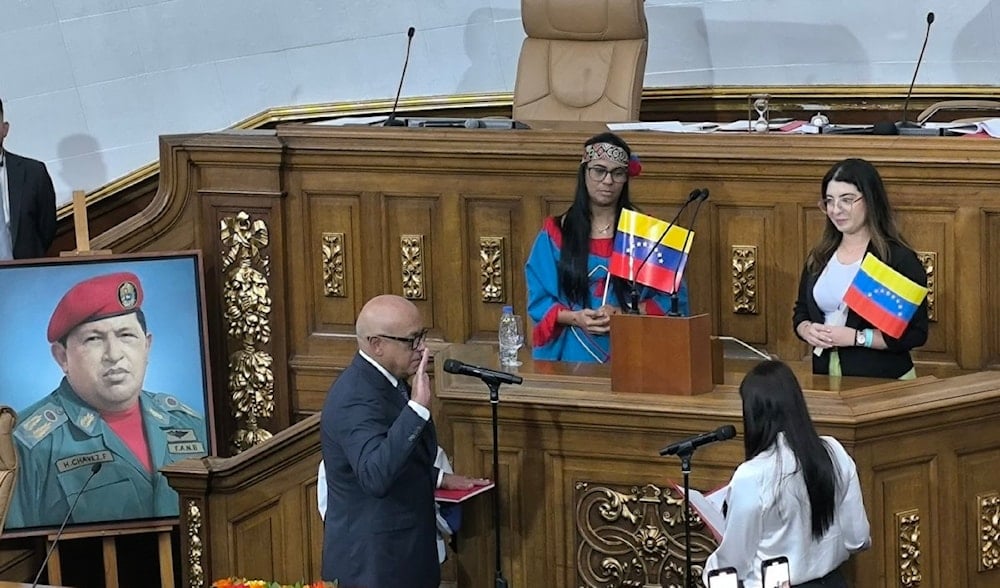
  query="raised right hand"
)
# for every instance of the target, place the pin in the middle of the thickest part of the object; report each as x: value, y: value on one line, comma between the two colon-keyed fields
x: 421, y: 389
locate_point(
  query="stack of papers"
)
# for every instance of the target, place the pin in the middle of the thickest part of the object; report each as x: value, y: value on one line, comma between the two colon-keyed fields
x: 709, y: 507
x: 785, y: 125
x: 991, y: 127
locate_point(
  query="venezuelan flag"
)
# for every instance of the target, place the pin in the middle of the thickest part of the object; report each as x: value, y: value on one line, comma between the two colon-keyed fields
x: 883, y: 296
x: 636, y: 237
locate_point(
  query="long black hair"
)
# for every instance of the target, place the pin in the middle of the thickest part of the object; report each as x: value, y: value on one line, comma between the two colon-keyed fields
x: 576, y: 226
x: 772, y: 404
x: 879, y: 218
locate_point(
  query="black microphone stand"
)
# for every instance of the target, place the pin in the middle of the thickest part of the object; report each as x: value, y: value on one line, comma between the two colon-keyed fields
x: 685, y: 455
x: 675, y: 296
x: 905, y: 124
x: 494, y: 386
x: 392, y: 121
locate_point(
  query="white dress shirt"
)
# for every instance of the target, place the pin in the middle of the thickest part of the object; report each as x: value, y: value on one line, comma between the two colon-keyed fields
x: 769, y: 516
x: 5, y: 198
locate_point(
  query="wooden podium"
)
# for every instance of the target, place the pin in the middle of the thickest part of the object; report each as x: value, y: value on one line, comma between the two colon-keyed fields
x: 662, y: 354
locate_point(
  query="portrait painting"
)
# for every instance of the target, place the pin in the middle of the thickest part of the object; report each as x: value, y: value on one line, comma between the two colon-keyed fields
x: 105, y: 362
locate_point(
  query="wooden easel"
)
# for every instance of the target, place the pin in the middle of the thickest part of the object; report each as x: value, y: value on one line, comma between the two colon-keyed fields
x: 82, y: 228
x: 110, y: 550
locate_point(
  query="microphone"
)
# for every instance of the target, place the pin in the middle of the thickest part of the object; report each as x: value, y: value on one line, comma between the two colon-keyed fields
x: 453, y: 366
x: 633, y: 291
x: 93, y: 472
x: 691, y: 443
x: 905, y: 127
x: 392, y: 121
x: 675, y: 296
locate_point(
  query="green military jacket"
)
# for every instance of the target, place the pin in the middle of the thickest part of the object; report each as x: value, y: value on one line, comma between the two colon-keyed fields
x: 60, y: 438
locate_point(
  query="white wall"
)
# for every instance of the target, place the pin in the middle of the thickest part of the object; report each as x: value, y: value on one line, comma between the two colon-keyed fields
x: 89, y: 85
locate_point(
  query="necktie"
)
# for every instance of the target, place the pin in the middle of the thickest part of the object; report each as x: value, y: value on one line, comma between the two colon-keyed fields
x: 404, y: 389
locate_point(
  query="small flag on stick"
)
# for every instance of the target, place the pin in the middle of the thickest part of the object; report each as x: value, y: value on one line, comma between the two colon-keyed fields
x: 636, y: 237
x: 883, y: 296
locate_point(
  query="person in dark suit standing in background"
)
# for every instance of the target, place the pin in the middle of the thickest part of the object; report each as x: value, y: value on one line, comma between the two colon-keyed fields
x: 27, y: 203
x: 379, y: 445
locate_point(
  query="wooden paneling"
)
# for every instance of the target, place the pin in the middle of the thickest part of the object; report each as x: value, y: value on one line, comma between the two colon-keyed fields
x: 988, y: 287
x: 257, y: 538
x: 492, y: 217
x: 980, y: 481
x: 453, y: 187
x: 924, y: 450
x: 754, y: 228
x: 932, y: 230
x: 339, y: 214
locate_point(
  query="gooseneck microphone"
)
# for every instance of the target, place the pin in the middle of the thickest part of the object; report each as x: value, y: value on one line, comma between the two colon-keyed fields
x: 675, y: 295
x: 633, y: 289
x: 691, y: 443
x: 93, y: 472
x: 909, y: 93
x: 904, y: 126
x: 392, y: 121
x: 453, y: 366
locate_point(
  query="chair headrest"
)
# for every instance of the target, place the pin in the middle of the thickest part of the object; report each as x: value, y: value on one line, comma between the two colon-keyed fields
x: 584, y: 20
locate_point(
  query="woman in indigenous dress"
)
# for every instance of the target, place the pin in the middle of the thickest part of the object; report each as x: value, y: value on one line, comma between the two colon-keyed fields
x: 570, y: 297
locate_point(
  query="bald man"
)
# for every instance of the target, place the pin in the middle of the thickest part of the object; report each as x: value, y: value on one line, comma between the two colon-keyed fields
x: 379, y: 447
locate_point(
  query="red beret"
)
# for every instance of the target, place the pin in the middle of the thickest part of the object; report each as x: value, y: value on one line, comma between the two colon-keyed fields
x: 94, y: 299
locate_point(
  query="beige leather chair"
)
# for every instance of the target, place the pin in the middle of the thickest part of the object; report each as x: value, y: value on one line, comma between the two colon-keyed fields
x: 582, y: 60
x: 991, y: 106
x: 8, y: 460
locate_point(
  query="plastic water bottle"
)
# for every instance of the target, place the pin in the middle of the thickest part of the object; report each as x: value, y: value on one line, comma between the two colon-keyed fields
x: 511, y: 336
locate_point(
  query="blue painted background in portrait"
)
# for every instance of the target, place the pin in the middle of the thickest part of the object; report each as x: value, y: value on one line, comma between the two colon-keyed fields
x: 28, y: 295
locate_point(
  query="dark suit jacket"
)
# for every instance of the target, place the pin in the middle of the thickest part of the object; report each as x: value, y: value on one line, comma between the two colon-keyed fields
x: 892, y: 362
x: 32, y: 206
x: 380, y: 525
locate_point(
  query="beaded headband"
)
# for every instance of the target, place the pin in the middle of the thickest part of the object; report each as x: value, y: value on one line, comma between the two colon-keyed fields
x: 612, y: 152
x: 608, y: 151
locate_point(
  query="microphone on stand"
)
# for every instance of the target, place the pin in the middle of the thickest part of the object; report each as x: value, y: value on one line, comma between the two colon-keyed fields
x: 453, y: 366
x: 675, y: 296
x: 93, y: 472
x: 909, y: 93
x: 392, y: 121
x: 691, y: 443
x: 904, y: 126
x: 633, y: 290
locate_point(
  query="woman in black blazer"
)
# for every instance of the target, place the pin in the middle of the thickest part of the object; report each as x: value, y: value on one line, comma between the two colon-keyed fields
x: 859, y: 221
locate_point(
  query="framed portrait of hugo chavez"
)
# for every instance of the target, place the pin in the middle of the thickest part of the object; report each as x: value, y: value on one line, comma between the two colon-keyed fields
x: 105, y: 361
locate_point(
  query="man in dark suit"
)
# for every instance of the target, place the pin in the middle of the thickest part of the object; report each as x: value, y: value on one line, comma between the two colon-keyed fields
x: 27, y: 204
x: 379, y: 446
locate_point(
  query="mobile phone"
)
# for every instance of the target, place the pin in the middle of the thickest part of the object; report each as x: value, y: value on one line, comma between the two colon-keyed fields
x: 723, y: 578
x: 775, y: 572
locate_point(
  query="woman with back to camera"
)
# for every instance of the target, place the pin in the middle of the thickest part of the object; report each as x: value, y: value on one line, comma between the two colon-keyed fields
x: 859, y: 220
x: 567, y: 270
x: 797, y: 495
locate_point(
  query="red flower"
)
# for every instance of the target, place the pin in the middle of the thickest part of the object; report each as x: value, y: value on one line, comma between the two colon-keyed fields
x: 634, y: 166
